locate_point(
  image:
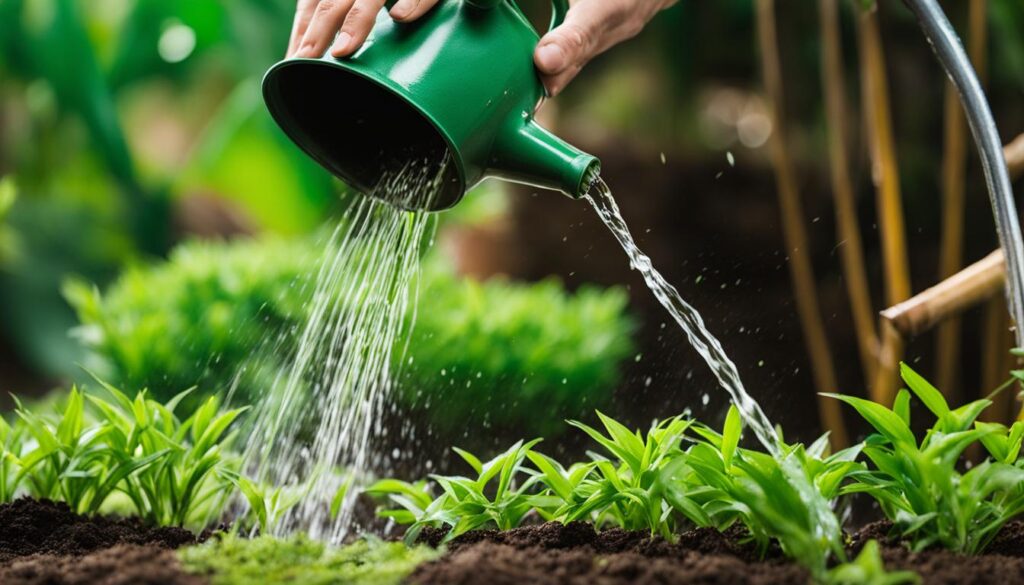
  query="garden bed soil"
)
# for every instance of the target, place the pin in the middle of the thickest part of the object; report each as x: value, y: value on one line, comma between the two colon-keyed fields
x: 574, y: 554
x: 43, y: 542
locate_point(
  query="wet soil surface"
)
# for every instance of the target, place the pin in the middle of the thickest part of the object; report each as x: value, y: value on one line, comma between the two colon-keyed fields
x: 43, y: 542
x: 574, y: 554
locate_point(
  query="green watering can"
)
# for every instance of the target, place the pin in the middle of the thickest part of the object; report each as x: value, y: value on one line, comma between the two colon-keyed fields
x: 454, y: 92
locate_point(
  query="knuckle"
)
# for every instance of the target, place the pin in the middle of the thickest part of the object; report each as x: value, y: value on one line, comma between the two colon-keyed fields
x: 577, y: 38
x: 358, y: 12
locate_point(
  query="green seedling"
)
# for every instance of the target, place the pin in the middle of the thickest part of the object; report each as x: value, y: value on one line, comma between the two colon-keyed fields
x: 624, y: 490
x: 171, y: 470
x: 868, y: 569
x: 268, y: 504
x: 188, y: 477
x: 12, y: 443
x: 918, y: 484
x: 494, y: 497
x: 72, y: 462
x: 788, y: 499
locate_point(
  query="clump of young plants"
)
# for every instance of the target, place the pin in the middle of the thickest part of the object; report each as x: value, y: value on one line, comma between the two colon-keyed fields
x: 173, y: 471
x: 789, y: 498
x: 919, y: 484
x: 514, y: 351
x: 233, y: 560
x: 679, y: 474
x: 624, y: 490
x: 495, y: 497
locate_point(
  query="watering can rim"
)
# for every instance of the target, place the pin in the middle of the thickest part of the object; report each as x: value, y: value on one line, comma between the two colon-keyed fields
x: 295, y: 134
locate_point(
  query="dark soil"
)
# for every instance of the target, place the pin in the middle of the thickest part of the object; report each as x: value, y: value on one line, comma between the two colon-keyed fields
x: 123, y: 564
x: 553, y: 554
x: 43, y: 542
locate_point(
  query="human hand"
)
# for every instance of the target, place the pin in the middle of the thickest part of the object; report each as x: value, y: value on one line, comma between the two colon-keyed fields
x: 591, y: 27
x: 318, y: 21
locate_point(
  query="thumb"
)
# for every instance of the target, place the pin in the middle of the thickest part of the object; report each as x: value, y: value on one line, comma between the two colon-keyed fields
x: 567, y: 48
x: 570, y: 44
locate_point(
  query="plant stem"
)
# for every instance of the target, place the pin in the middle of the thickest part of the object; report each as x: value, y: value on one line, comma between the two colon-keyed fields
x: 794, y: 231
x: 885, y: 173
x: 954, y: 170
x: 850, y: 246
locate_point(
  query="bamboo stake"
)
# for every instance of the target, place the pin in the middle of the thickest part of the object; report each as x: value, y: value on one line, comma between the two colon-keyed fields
x: 851, y: 249
x: 954, y: 167
x: 1014, y: 152
x: 795, y: 234
x: 971, y: 286
x: 995, y: 326
x: 887, y: 182
x: 1007, y: 405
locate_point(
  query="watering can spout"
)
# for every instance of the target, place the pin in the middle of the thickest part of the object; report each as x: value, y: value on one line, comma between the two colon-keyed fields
x: 531, y: 155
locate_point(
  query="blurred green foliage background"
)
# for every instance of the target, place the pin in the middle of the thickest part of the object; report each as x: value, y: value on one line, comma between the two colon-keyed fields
x: 128, y: 126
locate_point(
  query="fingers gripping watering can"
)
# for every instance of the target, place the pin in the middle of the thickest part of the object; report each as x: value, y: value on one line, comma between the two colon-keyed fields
x: 458, y: 84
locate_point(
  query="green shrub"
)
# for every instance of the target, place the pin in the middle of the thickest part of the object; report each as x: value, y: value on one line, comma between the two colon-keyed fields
x: 194, y: 320
x: 233, y: 560
x: 226, y: 315
x: 523, y: 355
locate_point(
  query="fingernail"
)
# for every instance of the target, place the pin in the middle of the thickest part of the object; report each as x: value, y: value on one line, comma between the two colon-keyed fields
x: 550, y: 58
x: 402, y: 10
x: 341, y: 43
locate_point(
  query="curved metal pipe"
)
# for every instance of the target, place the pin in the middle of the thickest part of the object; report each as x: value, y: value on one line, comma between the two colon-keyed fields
x: 954, y: 60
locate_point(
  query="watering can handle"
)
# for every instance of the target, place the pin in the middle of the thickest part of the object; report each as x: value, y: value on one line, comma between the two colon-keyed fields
x: 559, y: 8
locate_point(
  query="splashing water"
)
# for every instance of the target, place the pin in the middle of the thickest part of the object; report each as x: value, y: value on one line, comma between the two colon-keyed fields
x: 314, y: 426
x: 709, y: 348
x: 706, y: 344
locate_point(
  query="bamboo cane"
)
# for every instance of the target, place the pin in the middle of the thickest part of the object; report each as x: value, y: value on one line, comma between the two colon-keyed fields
x: 977, y: 283
x: 794, y: 232
x: 850, y: 246
x: 887, y: 182
x: 1014, y: 152
x: 994, y: 346
x: 954, y: 167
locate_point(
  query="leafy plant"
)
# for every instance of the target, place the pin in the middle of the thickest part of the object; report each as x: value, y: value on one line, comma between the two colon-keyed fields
x: 266, y: 503
x: 234, y: 560
x: 172, y: 470
x: 520, y: 350
x: 494, y: 497
x: 514, y: 352
x: 919, y: 485
x: 868, y: 569
x: 651, y: 483
x: 624, y: 491
x: 789, y: 498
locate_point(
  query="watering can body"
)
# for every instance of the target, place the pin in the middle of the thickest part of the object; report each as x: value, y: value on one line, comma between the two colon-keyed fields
x: 450, y: 96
